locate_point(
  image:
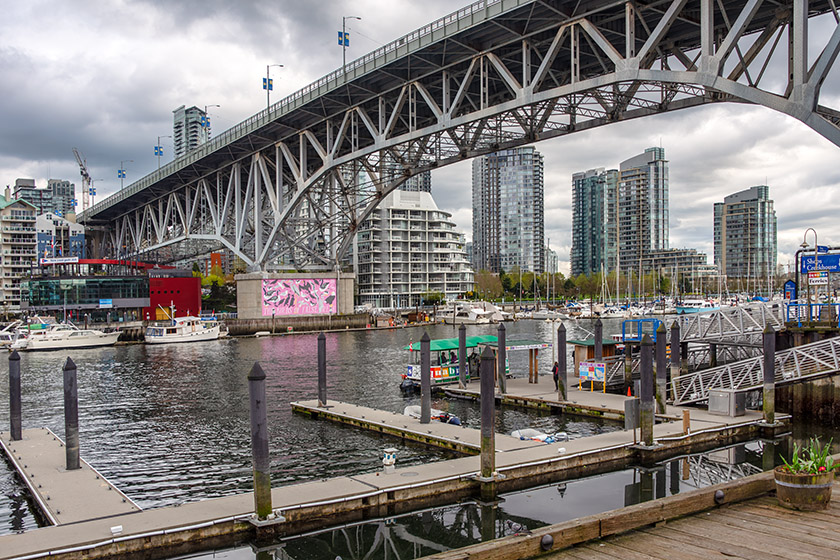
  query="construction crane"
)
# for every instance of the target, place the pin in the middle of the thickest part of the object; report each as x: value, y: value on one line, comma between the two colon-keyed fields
x: 87, y: 188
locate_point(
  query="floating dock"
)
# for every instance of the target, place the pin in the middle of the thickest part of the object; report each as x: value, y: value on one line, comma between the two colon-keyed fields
x: 62, y: 496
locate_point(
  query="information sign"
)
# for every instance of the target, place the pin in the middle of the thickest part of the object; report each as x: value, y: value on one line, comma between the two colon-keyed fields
x: 592, y: 371
x: 825, y: 262
x: 818, y: 278
x: 106, y: 303
x: 790, y: 289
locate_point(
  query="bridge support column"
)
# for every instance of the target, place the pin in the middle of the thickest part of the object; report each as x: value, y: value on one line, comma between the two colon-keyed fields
x: 675, y: 358
x: 646, y: 416
x: 661, y: 371
x: 769, y: 396
x: 713, y: 358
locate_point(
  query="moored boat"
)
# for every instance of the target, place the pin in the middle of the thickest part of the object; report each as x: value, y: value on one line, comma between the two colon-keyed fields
x: 64, y: 335
x: 696, y: 306
x: 183, y: 329
x: 444, y: 362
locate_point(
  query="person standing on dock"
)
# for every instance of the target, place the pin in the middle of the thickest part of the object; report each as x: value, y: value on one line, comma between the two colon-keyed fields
x: 555, y: 372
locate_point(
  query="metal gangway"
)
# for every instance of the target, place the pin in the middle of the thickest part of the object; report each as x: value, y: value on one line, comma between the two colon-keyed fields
x: 739, y: 325
x: 792, y: 365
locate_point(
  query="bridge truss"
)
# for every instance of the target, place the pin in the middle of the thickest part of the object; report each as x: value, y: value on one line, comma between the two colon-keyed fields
x: 290, y: 187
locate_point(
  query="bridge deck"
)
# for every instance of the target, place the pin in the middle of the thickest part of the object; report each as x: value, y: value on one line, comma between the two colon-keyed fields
x: 63, y: 496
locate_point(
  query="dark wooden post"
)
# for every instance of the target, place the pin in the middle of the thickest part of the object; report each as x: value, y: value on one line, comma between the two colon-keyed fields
x: 502, y: 359
x: 561, y: 362
x: 71, y: 415
x: 322, y: 370
x: 683, y: 358
x: 599, y: 340
x: 713, y: 361
x: 646, y: 416
x: 425, y: 379
x: 259, y: 442
x: 462, y: 356
x: 661, y: 371
x: 628, y: 368
x: 488, y: 426
x: 769, y: 396
x: 14, y: 396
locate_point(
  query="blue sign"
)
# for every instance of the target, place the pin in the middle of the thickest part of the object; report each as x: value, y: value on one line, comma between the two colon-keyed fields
x: 790, y: 289
x: 106, y: 303
x: 825, y: 262
x: 343, y: 39
x: 822, y: 248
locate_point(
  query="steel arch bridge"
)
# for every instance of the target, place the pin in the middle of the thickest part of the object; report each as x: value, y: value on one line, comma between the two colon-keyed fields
x: 289, y: 187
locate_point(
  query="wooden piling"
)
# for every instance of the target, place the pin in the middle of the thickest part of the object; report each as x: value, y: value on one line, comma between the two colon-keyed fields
x: 599, y: 340
x: 71, y: 415
x: 502, y: 359
x: 646, y: 416
x: 675, y: 358
x: 769, y: 394
x: 425, y: 379
x: 561, y: 362
x: 259, y: 442
x: 322, y: 370
x: 488, y: 426
x: 462, y: 357
x: 14, y: 396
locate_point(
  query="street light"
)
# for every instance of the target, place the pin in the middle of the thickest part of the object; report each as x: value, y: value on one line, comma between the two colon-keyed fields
x: 804, y: 245
x: 159, y: 148
x: 268, y: 84
x: 344, y: 40
x: 121, y: 171
x: 205, y: 122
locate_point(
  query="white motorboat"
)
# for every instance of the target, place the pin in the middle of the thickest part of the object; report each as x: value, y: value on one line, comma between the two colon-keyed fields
x: 184, y: 329
x: 439, y: 415
x: 64, y: 335
x: 696, y: 306
x: 467, y: 315
x: 9, y: 334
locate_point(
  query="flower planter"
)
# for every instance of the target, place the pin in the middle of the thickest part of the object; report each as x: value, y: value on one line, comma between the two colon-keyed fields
x: 803, y: 491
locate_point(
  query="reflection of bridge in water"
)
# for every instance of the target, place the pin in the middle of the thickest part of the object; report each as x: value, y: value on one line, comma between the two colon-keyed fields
x: 290, y: 186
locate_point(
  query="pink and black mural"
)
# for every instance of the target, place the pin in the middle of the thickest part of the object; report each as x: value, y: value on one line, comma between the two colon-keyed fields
x: 303, y: 296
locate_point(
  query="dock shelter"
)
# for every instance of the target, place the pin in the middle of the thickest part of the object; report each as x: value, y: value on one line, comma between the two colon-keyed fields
x: 584, y: 350
x: 533, y: 347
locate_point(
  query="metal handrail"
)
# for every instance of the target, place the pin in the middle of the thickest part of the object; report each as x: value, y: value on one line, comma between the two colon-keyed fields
x: 793, y: 312
x: 803, y: 361
x: 742, y: 322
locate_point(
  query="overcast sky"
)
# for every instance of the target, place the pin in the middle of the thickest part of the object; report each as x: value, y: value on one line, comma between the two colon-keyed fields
x: 104, y: 77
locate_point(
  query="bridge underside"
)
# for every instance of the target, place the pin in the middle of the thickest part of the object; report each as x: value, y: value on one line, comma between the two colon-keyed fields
x: 292, y: 192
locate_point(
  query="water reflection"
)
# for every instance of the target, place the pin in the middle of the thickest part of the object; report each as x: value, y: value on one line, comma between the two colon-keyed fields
x: 425, y: 532
x: 169, y: 423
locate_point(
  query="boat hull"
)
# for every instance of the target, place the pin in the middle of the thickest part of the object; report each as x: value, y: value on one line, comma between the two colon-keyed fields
x: 46, y: 342
x: 196, y: 336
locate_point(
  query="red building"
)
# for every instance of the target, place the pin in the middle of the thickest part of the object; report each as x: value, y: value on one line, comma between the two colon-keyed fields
x: 166, y: 290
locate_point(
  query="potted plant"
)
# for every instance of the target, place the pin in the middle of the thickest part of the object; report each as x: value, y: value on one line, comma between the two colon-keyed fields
x: 805, y: 482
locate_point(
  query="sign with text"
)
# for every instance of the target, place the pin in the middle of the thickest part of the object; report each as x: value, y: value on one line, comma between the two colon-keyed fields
x: 818, y: 278
x: 825, y: 262
x: 790, y: 289
x: 106, y: 303
x: 59, y: 260
x: 592, y: 371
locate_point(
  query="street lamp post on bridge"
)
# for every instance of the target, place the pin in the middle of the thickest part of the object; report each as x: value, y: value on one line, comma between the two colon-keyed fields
x: 205, y: 122
x: 159, y: 148
x: 804, y: 245
x: 267, y: 84
x: 121, y: 171
x: 344, y: 40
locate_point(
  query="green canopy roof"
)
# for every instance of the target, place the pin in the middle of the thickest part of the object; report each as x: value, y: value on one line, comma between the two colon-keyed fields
x: 591, y: 342
x: 452, y: 343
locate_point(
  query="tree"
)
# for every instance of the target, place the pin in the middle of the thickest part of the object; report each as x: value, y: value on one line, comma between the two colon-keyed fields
x: 433, y: 298
x: 488, y: 284
x: 196, y: 270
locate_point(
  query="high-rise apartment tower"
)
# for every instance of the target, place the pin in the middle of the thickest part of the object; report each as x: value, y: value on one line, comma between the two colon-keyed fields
x: 745, y: 234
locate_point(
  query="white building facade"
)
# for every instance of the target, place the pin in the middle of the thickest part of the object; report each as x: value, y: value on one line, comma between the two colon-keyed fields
x: 408, y: 249
x: 17, y: 247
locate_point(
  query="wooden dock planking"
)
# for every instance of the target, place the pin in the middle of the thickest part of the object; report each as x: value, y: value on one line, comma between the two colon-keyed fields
x: 756, y: 529
x: 62, y: 496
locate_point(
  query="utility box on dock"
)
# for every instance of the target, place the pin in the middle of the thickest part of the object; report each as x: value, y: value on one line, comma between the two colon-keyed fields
x: 727, y: 402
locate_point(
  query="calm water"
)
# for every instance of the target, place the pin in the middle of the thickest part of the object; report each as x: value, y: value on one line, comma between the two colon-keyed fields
x: 169, y: 424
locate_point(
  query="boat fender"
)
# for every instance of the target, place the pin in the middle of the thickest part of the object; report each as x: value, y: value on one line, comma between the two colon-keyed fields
x: 454, y: 420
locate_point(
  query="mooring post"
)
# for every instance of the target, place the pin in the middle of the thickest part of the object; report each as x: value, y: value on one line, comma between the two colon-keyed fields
x: 628, y: 369
x: 259, y: 442
x: 488, y: 426
x: 769, y: 339
x: 322, y: 370
x: 661, y: 370
x: 599, y: 340
x: 425, y: 379
x: 675, y: 358
x: 713, y: 361
x: 71, y: 415
x: 683, y: 358
x: 561, y: 362
x: 502, y: 359
x: 646, y: 416
x: 675, y: 476
x: 462, y: 356
x: 14, y: 395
